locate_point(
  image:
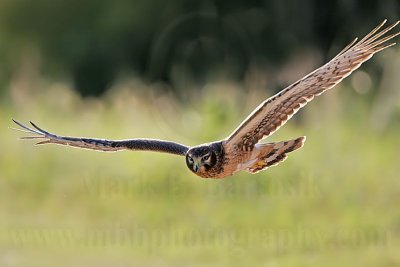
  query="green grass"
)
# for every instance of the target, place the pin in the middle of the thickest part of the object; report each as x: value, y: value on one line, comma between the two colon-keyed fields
x: 333, y: 203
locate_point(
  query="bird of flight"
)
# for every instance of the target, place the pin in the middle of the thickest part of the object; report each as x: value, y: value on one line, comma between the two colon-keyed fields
x: 241, y: 150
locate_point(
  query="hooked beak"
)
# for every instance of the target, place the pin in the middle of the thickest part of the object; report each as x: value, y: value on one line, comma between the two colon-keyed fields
x: 196, y: 165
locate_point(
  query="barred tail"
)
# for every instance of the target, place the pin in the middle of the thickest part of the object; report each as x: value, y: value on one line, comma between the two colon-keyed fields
x: 273, y: 153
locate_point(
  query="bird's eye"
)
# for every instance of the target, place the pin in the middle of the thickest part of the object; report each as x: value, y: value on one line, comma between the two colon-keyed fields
x: 206, y: 157
x: 190, y: 160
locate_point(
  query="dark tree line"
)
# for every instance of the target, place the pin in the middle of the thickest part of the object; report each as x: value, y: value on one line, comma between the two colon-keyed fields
x: 92, y: 42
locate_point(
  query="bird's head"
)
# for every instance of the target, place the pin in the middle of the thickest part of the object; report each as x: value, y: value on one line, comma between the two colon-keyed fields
x: 200, y: 159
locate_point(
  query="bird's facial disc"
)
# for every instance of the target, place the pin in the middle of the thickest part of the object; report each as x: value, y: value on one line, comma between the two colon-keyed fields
x: 200, y: 162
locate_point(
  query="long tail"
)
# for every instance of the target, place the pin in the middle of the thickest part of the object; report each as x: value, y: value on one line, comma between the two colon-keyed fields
x: 273, y: 153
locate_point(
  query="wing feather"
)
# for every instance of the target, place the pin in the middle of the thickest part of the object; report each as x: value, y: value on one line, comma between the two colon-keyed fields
x: 101, y: 144
x: 270, y: 115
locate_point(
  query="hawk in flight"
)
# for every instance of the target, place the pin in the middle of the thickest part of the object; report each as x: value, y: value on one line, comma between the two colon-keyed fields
x: 242, y: 150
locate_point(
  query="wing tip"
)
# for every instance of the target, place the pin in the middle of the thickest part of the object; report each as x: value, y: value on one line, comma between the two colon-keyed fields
x: 34, y: 125
x: 301, y: 140
x: 24, y: 128
x: 17, y: 122
x: 43, y: 142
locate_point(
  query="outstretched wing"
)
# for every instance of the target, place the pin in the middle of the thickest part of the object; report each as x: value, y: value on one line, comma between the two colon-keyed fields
x: 102, y: 144
x: 278, y: 109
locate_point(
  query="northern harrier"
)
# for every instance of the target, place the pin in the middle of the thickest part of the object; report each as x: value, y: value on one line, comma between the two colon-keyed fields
x: 242, y: 150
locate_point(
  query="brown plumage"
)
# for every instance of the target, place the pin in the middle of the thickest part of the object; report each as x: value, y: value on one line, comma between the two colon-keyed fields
x: 278, y: 109
x: 272, y: 154
x: 242, y: 150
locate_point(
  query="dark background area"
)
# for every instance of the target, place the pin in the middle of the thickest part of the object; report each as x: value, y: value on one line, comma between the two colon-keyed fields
x: 93, y: 43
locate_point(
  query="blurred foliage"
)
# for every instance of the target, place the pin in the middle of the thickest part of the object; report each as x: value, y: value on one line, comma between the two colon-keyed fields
x: 334, y: 202
x: 93, y: 43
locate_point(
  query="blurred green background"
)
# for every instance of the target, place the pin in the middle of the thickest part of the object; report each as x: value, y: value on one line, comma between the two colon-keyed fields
x: 191, y: 71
